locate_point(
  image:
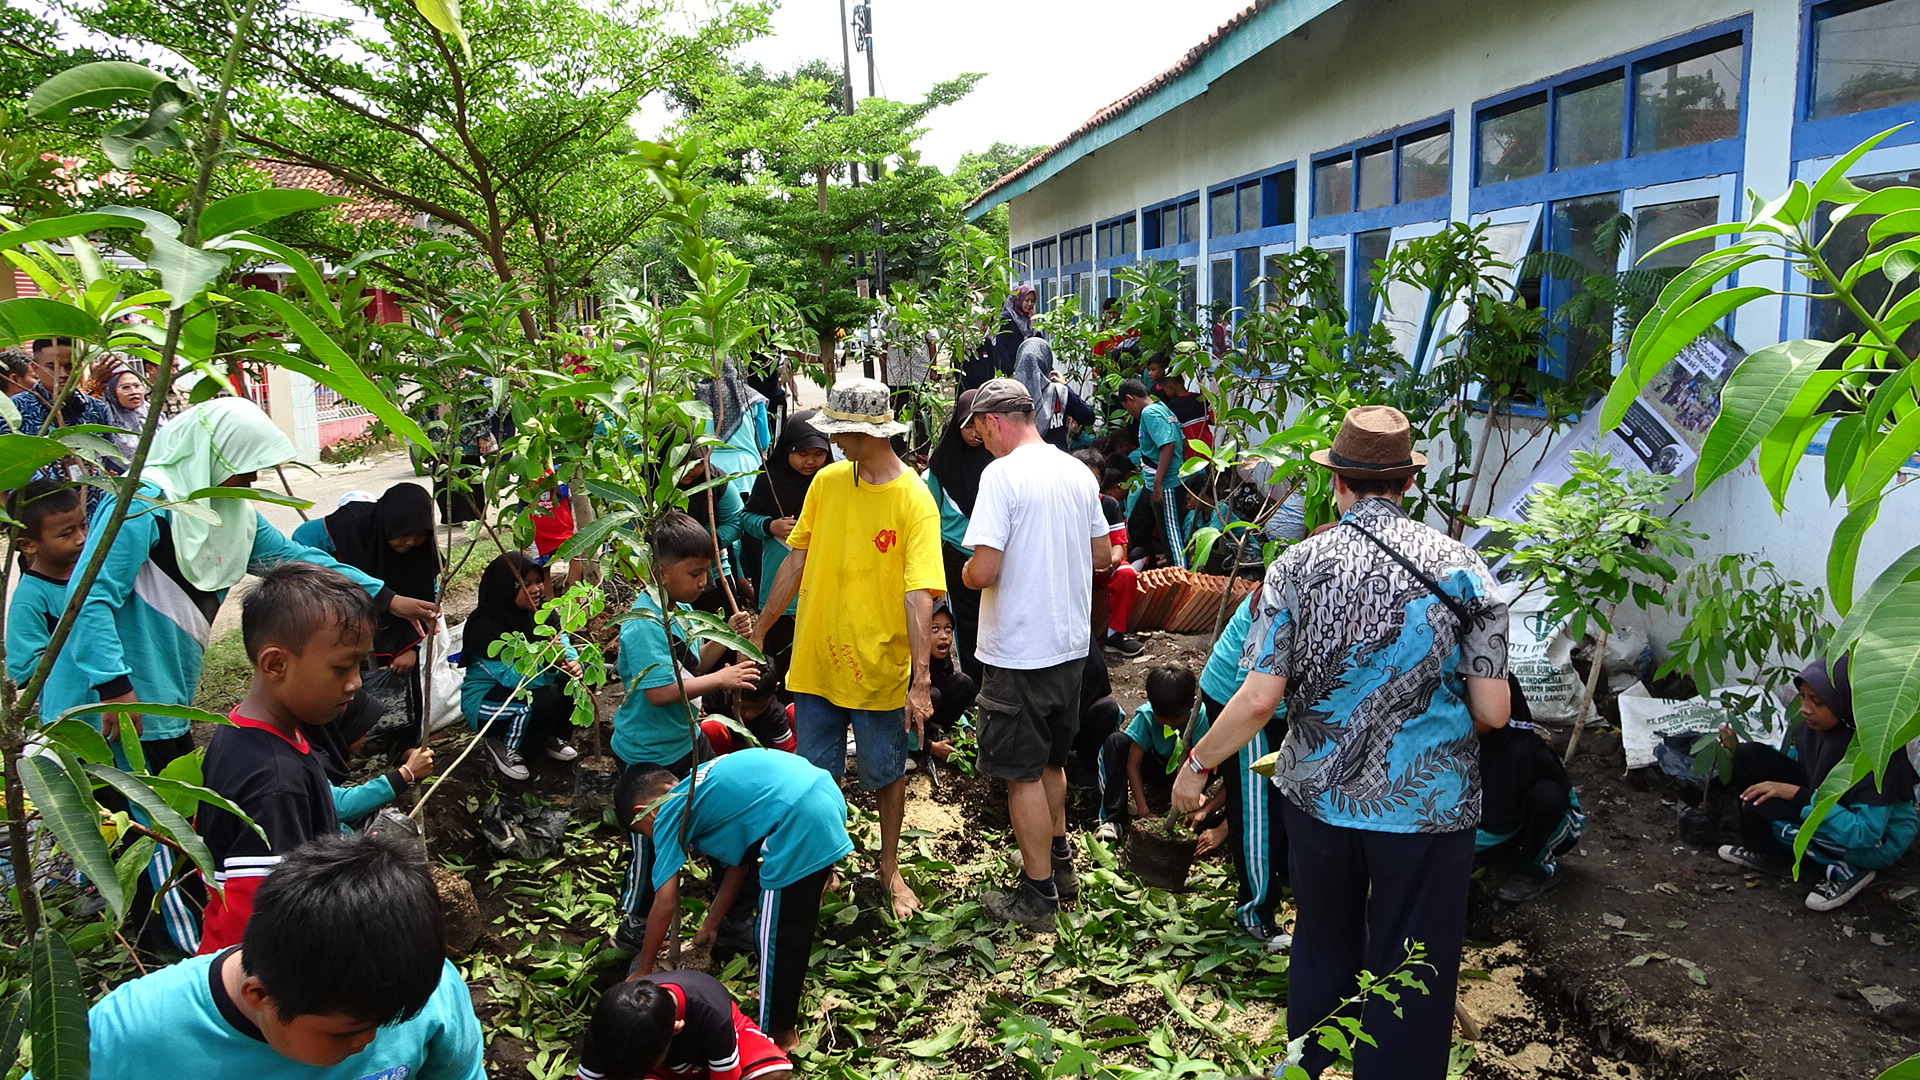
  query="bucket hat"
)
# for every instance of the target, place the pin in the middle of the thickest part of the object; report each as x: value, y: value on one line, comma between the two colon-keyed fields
x: 1373, y: 441
x: 858, y: 405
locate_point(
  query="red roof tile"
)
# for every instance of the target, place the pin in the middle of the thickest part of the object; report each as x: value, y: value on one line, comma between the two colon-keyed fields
x: 362, y: 210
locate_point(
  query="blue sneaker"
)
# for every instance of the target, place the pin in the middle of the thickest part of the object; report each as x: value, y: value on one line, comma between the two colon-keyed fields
x: 1841, y: 884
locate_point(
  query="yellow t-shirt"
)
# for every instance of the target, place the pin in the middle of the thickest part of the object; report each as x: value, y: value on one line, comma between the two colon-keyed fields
x: 867, y: 547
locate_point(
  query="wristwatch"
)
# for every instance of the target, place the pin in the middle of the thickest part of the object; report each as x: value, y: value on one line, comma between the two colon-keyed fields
x: 1193, y: 764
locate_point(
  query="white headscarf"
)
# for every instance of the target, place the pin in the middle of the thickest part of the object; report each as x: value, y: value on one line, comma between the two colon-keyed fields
x: 201, y: 448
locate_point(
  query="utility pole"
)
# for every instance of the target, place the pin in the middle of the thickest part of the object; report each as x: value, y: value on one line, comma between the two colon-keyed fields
x: 863, y: 41
x: 846, y: 78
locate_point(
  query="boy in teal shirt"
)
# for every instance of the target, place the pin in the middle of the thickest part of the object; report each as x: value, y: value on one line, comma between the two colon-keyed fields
x: 51, y: 533
x: 1145, y: 747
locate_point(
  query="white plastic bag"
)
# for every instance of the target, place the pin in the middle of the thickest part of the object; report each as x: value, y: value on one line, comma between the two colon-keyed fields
x: 444, y: 706
x: 1540, y: 654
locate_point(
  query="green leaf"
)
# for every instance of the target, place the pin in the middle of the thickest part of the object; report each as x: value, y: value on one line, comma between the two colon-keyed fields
x: 1755, y: 398
x: 57, y: 1014
x: 67, y: 227
x: 1844, y: 555
x: 75, y: 820
x: 586, y: 542
x: 166, y: 820
x: 1781, y: 453
x: 27, y: 317
x: 1686, y: 307
x: 302, y: 267
x: 444, y: 15
x: 1886, y: 675
x: 249, y: 210
x: 1906, y: 1070
x: 186, y: 799
x: 13, y: 1024
x: 92, y: 86
x: 147, y: 708
x: 133, y: 862
x: 935, y: 1046
x: 81, y: 738
x: 1894, y: 449
x: 184, y: 271
x: 1828, y: 187
x: 1705, y: 232
x: 340, y: 373
x: 1843, y: 451
x: 23, y: 455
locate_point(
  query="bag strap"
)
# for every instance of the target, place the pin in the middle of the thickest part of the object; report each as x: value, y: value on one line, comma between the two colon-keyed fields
x: 1459, y: 610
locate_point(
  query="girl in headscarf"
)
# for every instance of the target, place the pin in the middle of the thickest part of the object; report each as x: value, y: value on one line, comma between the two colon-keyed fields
x: 1054, y: 402
x: 143, y: 627
x: 953, y: 479
x: 517, y: 715
x: 125, y: 397
x: 1870, y: 828
x: 774, y: 508
x: 391, y: 539
x: 1016, y: 326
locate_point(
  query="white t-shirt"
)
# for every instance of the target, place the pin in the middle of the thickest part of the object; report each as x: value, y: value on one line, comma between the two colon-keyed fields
x: 1040, y: 508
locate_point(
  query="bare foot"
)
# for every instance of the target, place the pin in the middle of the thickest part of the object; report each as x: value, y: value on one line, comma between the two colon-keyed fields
x: 786, y: 1040
x: 905, y: 902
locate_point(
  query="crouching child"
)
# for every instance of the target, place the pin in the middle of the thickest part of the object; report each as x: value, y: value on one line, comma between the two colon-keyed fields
x: 1530, y: 815
x: 758, y: 811
x: 676, y: 1025
x: 343, y: 975
x: 1144, y: 748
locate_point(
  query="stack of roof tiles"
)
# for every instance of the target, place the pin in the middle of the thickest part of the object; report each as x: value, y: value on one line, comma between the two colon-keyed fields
x: 1181, y: 601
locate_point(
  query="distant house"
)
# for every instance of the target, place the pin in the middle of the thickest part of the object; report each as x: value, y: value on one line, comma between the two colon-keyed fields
x: 1354, y: 125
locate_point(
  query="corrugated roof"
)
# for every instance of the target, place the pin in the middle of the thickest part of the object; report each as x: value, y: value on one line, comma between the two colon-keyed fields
x: 1258, y: 25
x: 360, y: 211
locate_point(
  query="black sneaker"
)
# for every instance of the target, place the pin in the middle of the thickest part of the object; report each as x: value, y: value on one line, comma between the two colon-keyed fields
x: 1841, y: 884
x: 1525, y: 883
x: 631, y: 934
x: 560, y: 749
x: 1065, y: 881
x: 1022, y: 905
x: 1754, y: 860
x: 1124, y: 644
x: 506, y: 759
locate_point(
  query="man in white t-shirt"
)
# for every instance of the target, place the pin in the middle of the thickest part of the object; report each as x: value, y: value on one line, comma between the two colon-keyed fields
x: 1037, y: 536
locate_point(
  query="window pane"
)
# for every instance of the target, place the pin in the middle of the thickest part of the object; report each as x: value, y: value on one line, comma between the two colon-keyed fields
x: 1249, y: 198
x: 1688, y: 102
x: 1282, y: 188
x: 1190, y: 221
x: 1655, y: 225
x: 1865, y: 59
x: 1246, y: 267
x: 1829, y: 320
x: 1338, y: 257
x: 1368, y: 248
x: 1220, y: 282
x: 1333, y: 187
x: 1128, y: 234
x: 1513, y: 144
x: 1188, y: 281
x: 1426, y: 167
x: 1376, y: 178
x: 1576, y: 229
x: 1271, y: 271
x: 1588, y: 123
x: 1103, y: 241
x: 1220, y: 213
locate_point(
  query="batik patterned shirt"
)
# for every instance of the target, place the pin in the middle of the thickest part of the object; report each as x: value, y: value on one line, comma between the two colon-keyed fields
x: 1379, y: 736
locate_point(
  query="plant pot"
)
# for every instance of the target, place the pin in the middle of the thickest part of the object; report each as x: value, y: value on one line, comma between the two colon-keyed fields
x: 1160, y: 861
x: 594, y: 779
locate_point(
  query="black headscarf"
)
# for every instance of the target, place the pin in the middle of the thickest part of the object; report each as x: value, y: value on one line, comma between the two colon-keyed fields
x: 779, y: 491
x: 496, y: 612
x: 955, y: 464
x: 360, y: 531
x: 1820, y: 751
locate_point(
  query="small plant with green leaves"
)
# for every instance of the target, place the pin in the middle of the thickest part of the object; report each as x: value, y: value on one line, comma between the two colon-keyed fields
x: 1341, y: 1030
x: 1593, y: 542
x: 1744, y: 618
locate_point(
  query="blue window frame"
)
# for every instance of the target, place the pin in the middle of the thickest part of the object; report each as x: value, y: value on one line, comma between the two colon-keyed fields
x: 1171, y: 229
x: 1392, y: 179
x: 1022, y: 263
x: 1116, y: 242
x: 1076, y: 251
x: 1859, y: 74
x: 1251, y: 210
x: 1672, y: 110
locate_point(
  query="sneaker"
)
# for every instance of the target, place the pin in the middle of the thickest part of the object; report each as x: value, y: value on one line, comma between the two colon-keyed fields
x: 1280, y: 943
x: 561, y: 750
x: 1023, y: 906
x: 1753, y: 860
x: 1525, y: 883
x: 1065, y: 881
x: 1107, y: 833
x: 1842, y: 884
x: 506, y: 759
x: 631, y: 934
x: 1124, y: 644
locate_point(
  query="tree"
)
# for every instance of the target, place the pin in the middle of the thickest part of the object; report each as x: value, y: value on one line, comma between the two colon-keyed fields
x: 510, y: 142
x: 978, y: 170
x: 792, y: 152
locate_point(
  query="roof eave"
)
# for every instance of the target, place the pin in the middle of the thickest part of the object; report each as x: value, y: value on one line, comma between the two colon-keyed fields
x: 1259, y: 30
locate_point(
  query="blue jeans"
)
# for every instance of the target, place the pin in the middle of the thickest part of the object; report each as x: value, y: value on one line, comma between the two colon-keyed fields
x: 880, y: 736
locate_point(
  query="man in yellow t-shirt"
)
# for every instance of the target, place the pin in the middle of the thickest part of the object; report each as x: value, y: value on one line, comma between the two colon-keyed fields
x: 866, y: 561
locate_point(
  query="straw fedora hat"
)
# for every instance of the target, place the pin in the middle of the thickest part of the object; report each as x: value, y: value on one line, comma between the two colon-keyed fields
x: 858, y: 405
x: 1373, y: 441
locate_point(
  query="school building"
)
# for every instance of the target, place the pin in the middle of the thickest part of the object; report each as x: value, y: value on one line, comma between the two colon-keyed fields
x: 1353, y: 125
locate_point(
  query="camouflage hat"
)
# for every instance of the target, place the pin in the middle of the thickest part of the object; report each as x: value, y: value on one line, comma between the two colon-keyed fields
x: 858, y: 405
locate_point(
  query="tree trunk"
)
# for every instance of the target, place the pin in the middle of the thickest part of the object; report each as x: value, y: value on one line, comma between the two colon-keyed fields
x: 1593, y: 688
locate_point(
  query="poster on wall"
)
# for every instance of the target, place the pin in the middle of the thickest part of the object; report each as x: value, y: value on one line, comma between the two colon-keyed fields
x: 1662, y: 431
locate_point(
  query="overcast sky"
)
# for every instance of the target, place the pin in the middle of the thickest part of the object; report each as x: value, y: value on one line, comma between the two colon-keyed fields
x: 1049, y: 64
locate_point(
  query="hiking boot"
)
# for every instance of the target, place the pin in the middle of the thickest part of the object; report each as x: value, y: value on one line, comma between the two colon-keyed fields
x: 1754, y: 860
x: 1124, y: 644
x: 1065, y: 881
x: 560, y: 749
x: 1841, y: 884
x: 506, y: 759
x: 631, y: 934
x: 1107, y: 833
x: 1525, y: 883
x: 1022, y: 905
